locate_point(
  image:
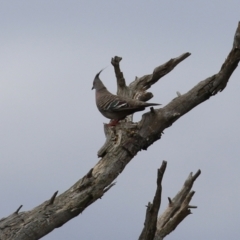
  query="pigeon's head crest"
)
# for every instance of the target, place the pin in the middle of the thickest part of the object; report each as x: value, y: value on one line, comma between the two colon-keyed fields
x: 97, y: 83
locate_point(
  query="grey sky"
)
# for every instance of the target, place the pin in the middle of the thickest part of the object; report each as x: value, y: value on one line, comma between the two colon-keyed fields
x: 51, y: 130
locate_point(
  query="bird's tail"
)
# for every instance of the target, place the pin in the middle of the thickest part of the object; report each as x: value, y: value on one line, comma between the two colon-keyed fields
x: 151, y: 104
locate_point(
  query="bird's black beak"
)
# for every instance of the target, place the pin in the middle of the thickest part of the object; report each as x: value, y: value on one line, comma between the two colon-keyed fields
x: 92, y: 87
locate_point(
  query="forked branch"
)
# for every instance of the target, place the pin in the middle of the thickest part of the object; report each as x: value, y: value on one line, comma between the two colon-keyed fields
x: 150, y: 223
x: 178, y: 208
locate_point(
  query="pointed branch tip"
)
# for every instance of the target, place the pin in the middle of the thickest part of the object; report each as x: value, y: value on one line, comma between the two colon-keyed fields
x: 236, y: 41
x: 179, y: 94
x: 108, y: 187
x: 196, y: 175
x: 51, y: 201
x: 163, y: 167
x: 18, y: 209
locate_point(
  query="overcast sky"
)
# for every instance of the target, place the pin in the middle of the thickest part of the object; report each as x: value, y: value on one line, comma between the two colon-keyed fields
x: 51, y: 130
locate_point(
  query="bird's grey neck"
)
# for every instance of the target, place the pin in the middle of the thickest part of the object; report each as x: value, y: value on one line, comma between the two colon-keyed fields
x: 102, y: 88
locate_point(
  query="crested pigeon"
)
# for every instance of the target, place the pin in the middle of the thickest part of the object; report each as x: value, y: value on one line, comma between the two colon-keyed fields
x: 115, y: 107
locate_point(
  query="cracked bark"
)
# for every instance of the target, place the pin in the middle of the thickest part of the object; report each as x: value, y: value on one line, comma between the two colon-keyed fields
x: 123, y: 142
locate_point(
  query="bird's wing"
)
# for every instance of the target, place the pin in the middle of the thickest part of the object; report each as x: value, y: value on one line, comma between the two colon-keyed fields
x: 118, y: 105
x: 108, y: 102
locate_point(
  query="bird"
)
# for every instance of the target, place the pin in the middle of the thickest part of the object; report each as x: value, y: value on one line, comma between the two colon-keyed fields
x: 115, y: 107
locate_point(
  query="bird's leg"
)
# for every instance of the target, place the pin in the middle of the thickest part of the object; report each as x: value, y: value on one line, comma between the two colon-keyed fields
x: 113, y: 122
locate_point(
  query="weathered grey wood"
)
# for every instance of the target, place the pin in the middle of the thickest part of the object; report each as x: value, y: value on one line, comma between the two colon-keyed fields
x: 177, y: 210
x: 150, y: 223
x: 128, y: 141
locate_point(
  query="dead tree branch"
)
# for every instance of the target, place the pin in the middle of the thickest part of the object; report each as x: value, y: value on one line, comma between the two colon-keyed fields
x: 124, y: 142
x: 177, y: 210
x: 150, y: 223
x: 145, y: 82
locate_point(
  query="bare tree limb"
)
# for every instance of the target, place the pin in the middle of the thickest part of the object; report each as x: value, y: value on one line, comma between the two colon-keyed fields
x: 145, y: 82
x: 177, y: 210
x: 137, y: 89
x: 150, y: 223
x: 121, y: 83
x: 126, y: 141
